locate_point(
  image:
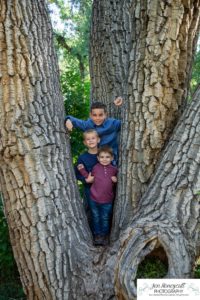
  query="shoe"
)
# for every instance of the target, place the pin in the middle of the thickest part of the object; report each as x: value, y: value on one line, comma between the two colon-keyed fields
x: 98, y: 240
x: 105, y: 240
x: 101, y: 240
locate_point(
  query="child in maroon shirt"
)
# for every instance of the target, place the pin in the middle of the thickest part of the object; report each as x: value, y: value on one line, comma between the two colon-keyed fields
x: 102, y: 194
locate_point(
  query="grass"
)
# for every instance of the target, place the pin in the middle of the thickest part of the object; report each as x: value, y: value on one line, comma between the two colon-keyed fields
x: 151, y: 267
x: 197, y: 269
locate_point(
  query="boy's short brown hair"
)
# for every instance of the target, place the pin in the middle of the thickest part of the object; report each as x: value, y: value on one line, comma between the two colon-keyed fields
x: 106, y: 149
x: 90, y: 131
x: 97, y: 105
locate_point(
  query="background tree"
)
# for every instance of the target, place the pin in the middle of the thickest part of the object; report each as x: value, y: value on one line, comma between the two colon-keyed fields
x: 50, y: 237
x: 71, y: 40
x: 73, y: 37
x: 195, y: 81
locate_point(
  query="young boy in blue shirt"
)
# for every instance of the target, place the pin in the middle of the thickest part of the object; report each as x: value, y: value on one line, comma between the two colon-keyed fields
x: 88, y: 159
x: 107, y: 128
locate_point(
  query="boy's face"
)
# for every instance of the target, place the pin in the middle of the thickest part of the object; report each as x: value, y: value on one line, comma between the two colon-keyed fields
x: 98, y: 116
x: 91, y: 140
x: 105, y: 158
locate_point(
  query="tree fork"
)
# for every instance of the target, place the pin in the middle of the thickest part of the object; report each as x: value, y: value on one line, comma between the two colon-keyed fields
x: 49, y: 233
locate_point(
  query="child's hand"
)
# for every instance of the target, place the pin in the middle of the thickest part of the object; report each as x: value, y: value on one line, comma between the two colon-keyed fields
x: 114, y: 179
x: 69, y: 124
x: 80, y: 166
x: 118, y: 101
x: 90, y: 178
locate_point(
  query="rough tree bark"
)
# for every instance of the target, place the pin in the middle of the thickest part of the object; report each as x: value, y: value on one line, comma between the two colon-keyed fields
x: 48, y: 229
x: 168, y: 213
x: 142, y: 50
x: 39, y: 189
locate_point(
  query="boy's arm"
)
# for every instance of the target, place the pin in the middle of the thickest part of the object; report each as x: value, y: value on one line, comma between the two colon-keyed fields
x: 69, y: 124
x: 117, y: 124
x: 118, y: 101
x: 78, y: 174
x: 114, y: 179
x: 88, y: 177
x: 77, y: 123
x: 83, y: 171
x: 114, y: 175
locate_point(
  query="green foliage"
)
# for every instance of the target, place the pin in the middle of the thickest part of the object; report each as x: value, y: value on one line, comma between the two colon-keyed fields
x: 7, y: 262
x: 11, y: 290
x: 72, y: 49
x: 9, y: 278
x: 75, y: 17
x: 197, y: 269
x: 151, y: 267
x: 195, y: 81
x: 197, y: 272
x: 76, y: 99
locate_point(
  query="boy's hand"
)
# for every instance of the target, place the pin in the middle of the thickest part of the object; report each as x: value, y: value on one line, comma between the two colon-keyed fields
x: 114, y: 179
x: 90, y: 178
x: 69, y: 124
x: 80, y: 166
x: 118, y: 101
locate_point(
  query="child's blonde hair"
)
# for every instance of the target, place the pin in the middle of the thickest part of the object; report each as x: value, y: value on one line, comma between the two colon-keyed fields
x: 89, y: 131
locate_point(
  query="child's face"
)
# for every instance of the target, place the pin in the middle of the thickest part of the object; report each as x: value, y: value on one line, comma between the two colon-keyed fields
x: 105, y: 158
x: 98, y: 116
x: 91, y: 140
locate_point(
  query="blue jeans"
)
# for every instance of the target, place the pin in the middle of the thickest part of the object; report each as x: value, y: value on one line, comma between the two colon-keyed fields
x: 101, y: 215
x: 86, y: 193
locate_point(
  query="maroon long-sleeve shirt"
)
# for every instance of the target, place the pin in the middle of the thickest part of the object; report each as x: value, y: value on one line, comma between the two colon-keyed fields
x: 102, y: 189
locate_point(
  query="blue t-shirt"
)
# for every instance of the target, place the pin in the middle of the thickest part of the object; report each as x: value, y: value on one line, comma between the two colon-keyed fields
x: 107, y: 131
x: 89, y: 161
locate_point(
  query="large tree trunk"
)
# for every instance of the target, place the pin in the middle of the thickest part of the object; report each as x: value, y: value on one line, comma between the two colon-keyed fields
x: 49, y: 233
x: 42, y: 204
x: 168, y: 214
x: 143, y: 51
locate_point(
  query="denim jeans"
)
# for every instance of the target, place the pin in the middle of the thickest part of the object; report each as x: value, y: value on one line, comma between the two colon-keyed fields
x: 86, y: 201
x: 101, y: 215
x: 86, y: 194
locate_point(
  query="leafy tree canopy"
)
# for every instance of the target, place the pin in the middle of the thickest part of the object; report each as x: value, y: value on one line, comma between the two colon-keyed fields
x: 75, y: 17
x: 195, y: 81
x: 72, y: 39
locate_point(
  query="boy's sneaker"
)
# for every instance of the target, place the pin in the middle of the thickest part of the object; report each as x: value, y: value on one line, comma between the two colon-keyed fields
x: 98, y: 240
x: 101, y: 240
x: 105, y: 240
